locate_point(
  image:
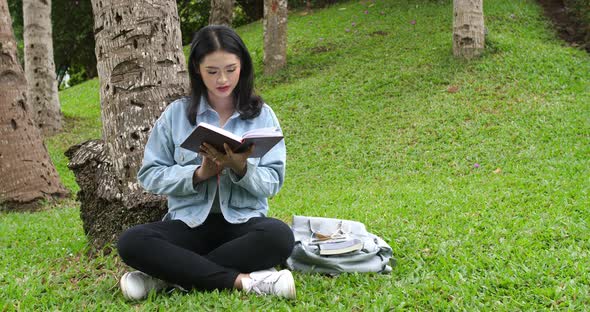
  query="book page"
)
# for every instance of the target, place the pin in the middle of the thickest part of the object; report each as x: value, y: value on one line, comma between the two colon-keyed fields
x: 262, y: 133
x: 220, y: 130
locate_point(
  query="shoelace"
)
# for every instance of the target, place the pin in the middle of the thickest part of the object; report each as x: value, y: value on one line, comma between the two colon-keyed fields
x: 173, y: 288
x: 263, y: 286
x: 151, y: 282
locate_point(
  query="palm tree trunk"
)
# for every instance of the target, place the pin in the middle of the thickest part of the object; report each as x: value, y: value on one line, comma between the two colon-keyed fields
x: 468, y: 28
x: 27, y: 172
x: 221, y: 12
x: 142, y: 69
x: 39, y: 66
x: 275, y: 35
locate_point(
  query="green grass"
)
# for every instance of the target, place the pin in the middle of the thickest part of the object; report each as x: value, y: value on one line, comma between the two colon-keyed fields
x: 81, y: 110
x: 373, y: 135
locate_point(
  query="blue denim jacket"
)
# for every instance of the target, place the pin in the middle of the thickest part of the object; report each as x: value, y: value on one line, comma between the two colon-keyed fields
x: 168, y: 169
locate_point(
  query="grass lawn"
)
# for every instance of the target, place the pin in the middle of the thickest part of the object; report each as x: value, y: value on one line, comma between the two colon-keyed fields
x: 483, y: 193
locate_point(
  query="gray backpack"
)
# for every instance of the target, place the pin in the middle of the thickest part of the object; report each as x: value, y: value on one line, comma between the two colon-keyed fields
x: 372, y: 255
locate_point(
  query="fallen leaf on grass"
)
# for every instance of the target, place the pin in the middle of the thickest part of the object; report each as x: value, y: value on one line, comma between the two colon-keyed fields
x: 453, y: 89
x: 498, y: 171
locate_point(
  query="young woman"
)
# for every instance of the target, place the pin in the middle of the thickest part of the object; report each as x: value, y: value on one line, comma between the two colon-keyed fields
x: 216, y: 234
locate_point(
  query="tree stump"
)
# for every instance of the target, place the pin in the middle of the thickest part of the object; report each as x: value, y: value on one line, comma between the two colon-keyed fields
x: 105, y: 212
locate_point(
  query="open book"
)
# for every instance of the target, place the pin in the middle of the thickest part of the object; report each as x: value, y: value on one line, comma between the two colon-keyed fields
x: 263, y: 139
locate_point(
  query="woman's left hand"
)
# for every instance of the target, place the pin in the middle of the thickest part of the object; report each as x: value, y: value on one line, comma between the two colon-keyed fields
x: 234, y: 161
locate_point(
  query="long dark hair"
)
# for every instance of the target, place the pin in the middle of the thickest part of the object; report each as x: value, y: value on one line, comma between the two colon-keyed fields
x: 215, y: 38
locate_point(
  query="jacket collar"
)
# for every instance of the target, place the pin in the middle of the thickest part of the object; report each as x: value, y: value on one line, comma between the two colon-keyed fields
x: 204, y: 106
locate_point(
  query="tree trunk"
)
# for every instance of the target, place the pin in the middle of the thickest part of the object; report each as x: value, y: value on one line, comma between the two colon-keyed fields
x: 39, y: 66
x: 142, y: 69
x: 106, y: 214
x: 221, y: 12
x: 254, y: 9
x: 468, y: 28
x: 275, y: 35
x: 27, y: 172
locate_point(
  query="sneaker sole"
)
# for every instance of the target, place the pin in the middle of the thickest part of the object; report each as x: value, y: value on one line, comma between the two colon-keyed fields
x: 122, y: 283
x: 292, y: 293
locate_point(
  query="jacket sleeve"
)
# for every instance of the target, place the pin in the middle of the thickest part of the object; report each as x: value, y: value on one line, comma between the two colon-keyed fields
x: 265, y: 176
x: 159, y: 173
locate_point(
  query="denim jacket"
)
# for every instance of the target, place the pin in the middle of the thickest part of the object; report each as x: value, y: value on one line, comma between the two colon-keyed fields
x: 168, y: 169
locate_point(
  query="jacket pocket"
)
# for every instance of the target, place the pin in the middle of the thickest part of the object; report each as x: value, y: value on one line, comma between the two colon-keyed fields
x: 197, y: 199
x: 185, y: 157
x: 241, y: 198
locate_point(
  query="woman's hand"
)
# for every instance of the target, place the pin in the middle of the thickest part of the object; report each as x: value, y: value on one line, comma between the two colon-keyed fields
x: 207, y: 169
x: 234, y: 161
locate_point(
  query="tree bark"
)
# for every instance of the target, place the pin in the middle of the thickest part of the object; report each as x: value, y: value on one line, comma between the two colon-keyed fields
x: 39, y: 66
x: 27, y: 172
x: 221, y: 12
x: 254, y: 9
x: 468, y: 28
x: 106, y: 214
x: 275, y: 35
x: 141, y: 68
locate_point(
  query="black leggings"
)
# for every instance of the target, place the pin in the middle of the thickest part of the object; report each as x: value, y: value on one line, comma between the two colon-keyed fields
x: 209, y: 256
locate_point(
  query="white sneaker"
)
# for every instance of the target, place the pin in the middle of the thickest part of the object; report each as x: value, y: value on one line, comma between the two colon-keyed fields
x: 271, y: 282
x: 137, y: 285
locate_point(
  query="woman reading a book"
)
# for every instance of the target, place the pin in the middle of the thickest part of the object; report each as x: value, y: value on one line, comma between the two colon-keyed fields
x: 216, y: 234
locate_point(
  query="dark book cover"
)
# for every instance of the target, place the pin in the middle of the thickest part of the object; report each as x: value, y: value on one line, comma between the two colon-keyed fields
x: 263, y: 139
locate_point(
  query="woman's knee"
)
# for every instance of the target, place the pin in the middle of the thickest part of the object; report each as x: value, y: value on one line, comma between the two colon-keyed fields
x: 130, y: 241
x: 280, y: 237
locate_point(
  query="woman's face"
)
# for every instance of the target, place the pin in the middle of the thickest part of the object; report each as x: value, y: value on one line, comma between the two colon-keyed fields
x: 220, y: 72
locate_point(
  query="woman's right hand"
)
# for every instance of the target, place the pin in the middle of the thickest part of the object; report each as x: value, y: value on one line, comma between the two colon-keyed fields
x: 207, y: 169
